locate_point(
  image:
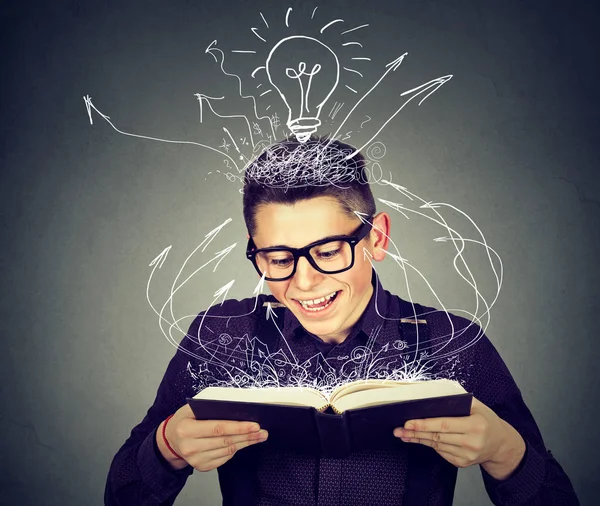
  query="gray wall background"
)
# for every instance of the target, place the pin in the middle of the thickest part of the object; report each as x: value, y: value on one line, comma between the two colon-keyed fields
x: 512, y: 140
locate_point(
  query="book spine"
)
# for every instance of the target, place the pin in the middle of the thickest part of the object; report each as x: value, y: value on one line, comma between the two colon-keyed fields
x: 334, y: 434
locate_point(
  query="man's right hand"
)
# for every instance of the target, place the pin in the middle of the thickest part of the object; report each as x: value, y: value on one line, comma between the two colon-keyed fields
x: 205, y: 444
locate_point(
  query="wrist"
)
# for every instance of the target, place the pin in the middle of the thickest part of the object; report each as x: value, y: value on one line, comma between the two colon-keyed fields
x: 509, y: 455
x: 166, y: 450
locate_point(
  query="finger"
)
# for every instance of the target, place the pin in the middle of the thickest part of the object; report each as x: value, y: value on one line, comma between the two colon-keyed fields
x: 479, y: 407
x: 219, y: 428
x: 229, y: 450
x: 439, y: 447
x: 213, y: 443
x: 440, y: 437
x: 454, y: 424
x: 186, y: 412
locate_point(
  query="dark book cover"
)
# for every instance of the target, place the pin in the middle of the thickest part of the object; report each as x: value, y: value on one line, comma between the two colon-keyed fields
x: 306, y: 430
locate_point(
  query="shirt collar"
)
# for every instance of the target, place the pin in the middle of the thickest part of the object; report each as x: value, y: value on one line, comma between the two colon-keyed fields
x: 366, y: 324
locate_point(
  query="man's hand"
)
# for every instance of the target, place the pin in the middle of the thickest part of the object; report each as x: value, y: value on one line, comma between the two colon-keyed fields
x: 205, y: 444
x: 480, y: 438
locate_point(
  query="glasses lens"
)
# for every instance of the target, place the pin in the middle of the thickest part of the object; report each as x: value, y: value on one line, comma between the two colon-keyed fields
x: 332, y: 256
x: 275, y: 264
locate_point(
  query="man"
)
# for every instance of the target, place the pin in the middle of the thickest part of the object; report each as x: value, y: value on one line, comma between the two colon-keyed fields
x: 316, y: 254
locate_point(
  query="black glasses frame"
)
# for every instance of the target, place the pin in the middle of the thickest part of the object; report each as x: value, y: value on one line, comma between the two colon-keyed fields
x: 352, y: 240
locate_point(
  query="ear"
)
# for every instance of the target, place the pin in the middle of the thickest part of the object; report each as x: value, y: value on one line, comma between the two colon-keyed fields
x: 380, y: 235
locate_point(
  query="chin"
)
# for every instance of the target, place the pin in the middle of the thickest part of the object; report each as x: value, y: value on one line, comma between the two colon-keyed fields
x: 321, y: 330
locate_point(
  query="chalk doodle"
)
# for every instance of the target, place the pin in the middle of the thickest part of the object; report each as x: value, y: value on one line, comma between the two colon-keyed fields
x: 301, y: 81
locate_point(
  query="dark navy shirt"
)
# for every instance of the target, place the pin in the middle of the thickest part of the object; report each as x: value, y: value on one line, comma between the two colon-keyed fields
x: 254, y: 342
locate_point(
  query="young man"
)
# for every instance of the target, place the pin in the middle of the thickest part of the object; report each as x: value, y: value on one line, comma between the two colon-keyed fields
x: 315, y: 253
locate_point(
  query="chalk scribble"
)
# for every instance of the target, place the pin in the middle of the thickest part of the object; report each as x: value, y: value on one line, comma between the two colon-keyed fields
x: 293, y: 89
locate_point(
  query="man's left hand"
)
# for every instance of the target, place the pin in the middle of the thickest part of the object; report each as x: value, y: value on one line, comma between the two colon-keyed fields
x: 480, y: 438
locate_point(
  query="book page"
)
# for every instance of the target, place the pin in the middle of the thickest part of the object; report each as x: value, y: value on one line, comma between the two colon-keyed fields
x: 284, y: 396
x: 356, y: 386
x: 373, y: 396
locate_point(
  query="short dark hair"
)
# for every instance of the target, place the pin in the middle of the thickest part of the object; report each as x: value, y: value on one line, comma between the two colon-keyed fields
x: 290, y: 171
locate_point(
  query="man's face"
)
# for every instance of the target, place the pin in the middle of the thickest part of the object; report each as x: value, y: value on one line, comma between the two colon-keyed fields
x: 301, y: 224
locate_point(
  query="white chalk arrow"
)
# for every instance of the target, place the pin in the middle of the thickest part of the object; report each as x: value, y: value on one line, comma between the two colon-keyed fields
x: 160, y: 259
x: 259, y: 287
x: 224, y: 290
x: 270, y: 312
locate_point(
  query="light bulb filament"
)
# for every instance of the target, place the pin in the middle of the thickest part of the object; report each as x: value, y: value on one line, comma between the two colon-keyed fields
x: 293, y: 74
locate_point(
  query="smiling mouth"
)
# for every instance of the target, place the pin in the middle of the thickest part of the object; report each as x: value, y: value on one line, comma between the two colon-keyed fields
x: 316, y: 305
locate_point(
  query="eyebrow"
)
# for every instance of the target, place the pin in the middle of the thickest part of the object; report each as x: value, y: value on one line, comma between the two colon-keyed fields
x: 328, y: 238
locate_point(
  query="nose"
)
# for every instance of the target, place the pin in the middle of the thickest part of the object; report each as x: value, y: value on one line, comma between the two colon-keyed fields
x: 306, y: 276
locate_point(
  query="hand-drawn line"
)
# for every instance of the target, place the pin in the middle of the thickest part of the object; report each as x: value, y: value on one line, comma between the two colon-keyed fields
x: 390, y: 67
x: 263, y: 18
x: 458, y: 242
x: 459, y: 245
x: 433, y: 85
x: 352, y: 70
x: 203, y: 98
x: 331, y: 23
x: 454, y: 236
x: 225, y: 145
x: 89, y: 105
x: 255, y: 32
x: 353, y: 29
x: 335, y: 109
x: 212, y: 49
x: 232, y: 139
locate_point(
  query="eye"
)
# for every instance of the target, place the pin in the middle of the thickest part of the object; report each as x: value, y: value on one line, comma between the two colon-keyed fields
x: 329, y: 254
x: 280, y: 260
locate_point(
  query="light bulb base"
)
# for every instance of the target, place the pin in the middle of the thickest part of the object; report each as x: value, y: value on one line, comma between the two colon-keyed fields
x: 303, y: 128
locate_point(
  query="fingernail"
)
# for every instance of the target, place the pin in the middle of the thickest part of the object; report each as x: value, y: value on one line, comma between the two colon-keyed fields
x: 254, y: 427
x: 409, y: 425
x: 263, y: 434
x: 406, y: 439
x: 398, y: 432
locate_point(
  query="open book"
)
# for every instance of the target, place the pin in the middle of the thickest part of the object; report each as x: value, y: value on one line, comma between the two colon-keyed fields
x: 357, y: 394
x: 356, y: 416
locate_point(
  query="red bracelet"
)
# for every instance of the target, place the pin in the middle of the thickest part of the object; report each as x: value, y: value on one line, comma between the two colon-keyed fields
x: 164, y: 436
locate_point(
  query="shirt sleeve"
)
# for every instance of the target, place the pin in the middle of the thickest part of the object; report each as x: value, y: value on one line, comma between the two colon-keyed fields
x: 139, y: 474
x: 539, y: 479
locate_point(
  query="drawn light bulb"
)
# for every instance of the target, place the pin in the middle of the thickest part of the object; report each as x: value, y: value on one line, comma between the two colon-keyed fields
x: 305, y: 72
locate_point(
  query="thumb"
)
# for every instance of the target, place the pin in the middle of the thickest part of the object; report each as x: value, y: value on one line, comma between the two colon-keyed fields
x: 185, y: 411
x: 477, y: 406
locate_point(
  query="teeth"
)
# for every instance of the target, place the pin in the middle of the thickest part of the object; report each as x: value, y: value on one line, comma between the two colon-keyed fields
x: 307, y: 303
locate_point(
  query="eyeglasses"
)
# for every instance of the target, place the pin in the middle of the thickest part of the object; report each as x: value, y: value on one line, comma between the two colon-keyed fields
x: 329, y: 256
